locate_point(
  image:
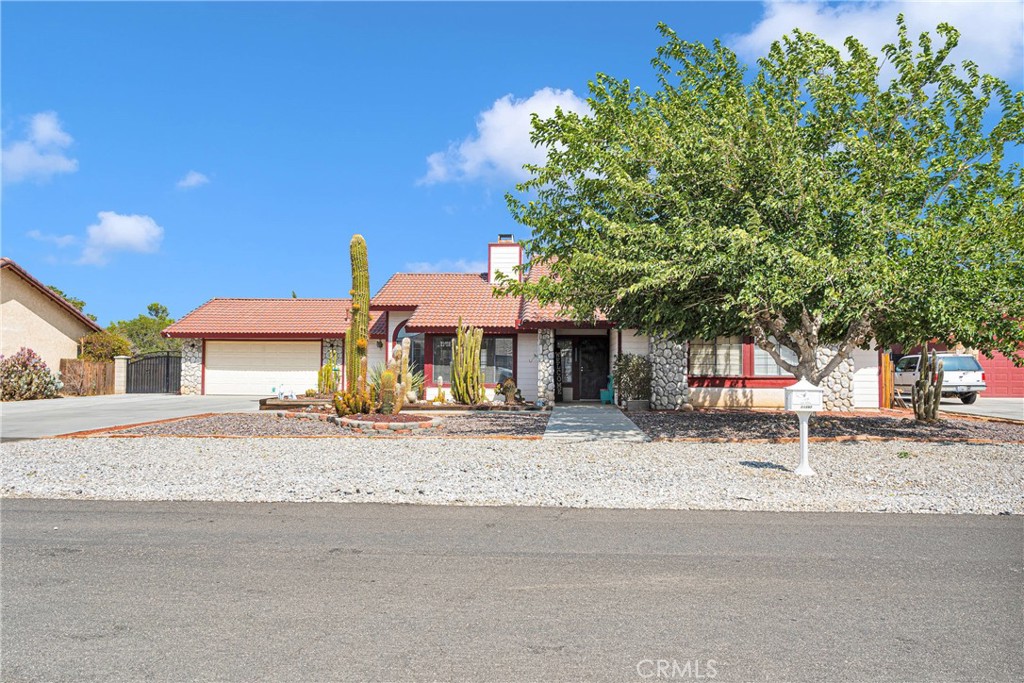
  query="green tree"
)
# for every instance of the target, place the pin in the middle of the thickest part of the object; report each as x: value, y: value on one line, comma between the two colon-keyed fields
x: 806, y: 204
x: 77, y: 303
x: 144, y: 331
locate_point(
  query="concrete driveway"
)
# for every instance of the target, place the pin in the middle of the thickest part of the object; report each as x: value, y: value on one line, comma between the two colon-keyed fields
x: 1009, y: 408
x: 35, y: 419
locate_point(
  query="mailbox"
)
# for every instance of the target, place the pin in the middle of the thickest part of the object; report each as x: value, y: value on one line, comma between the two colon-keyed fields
x: 804, y: 396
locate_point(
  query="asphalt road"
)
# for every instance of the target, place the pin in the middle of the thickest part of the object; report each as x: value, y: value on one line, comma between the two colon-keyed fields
x: 288, y: 592
x: 35, y: 419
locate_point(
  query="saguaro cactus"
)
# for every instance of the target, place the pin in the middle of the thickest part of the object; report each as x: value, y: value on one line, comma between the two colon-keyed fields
x: 467, y: 380
x: 410, y: 393
x: 359, y: 328
x: 927, y: 390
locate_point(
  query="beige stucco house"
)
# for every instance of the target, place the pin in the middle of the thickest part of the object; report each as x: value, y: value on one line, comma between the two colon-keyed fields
x: 33, y: 316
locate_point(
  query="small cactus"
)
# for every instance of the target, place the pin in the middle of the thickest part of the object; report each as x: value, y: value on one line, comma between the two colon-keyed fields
x: 387, y: 392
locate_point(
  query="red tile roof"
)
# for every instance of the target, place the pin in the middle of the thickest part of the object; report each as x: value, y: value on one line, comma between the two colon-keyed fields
x: 267, y: 318
x: 532, y: 314
x: 56, y: 298
x: 438, y: 300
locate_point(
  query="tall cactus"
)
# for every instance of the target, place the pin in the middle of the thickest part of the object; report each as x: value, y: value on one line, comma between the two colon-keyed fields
x: 358, y: 336
x: 387, y: 392
x: 927, y: 390
x: 467, y: 379
x: 410, y: 394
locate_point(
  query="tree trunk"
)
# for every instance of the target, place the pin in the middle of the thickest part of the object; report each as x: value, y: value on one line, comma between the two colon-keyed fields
x: 804, y: 341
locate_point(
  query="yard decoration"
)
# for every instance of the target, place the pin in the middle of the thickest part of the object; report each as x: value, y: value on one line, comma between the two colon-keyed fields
x: 927, y: 390
x: 509, y: 390
x: 823, y: 201
x: 467, y: 379
x: 359, y: 328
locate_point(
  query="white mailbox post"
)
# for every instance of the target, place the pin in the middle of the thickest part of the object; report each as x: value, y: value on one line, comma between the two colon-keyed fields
x: 803, y: 398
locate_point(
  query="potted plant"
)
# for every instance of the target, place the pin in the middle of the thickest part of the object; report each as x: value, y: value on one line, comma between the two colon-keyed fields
x: 633, y: 381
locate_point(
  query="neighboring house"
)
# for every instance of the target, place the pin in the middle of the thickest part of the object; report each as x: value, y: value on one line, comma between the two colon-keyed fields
x: 34, y: 316
x: 254, y: 345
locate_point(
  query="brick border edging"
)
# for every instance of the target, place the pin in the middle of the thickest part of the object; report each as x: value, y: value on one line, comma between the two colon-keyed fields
x: 368, y: 426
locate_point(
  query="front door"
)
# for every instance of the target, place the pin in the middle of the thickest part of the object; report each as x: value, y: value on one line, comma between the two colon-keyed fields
x: 592, y: 367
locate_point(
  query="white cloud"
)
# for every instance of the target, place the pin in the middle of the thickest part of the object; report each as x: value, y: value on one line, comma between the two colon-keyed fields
x: 502, y: 143
x: 40, y: 155
x: 60, y: 241
x: 991, y: 33
x: 118, y: 232
x: 447, y: 266
x: 192, y: 179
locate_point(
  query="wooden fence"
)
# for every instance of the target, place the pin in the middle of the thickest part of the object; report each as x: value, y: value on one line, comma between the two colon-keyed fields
x: 886, y: 377
x: 86, y: 378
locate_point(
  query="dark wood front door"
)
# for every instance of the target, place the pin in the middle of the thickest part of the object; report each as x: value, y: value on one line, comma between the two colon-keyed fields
x: 592, y: 367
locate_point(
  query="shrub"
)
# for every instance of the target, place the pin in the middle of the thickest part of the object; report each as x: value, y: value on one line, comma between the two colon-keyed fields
x: 103, y: 346
x: 633, y: 377
x: 25, y: 376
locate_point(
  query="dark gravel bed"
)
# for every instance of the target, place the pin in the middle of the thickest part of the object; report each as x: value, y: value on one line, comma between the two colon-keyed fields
x: 738, y: 424
x: 483, y: 424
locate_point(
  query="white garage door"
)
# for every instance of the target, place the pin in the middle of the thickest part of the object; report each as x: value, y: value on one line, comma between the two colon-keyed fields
x: 258, y: 367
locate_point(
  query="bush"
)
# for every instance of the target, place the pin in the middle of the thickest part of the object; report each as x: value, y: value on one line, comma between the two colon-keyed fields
x: 25, y: 376
x: 103, y: 346
x: 633, y: 377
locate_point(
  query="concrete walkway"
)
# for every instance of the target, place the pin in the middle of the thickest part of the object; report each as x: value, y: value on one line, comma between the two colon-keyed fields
x: 591, y: 423
x: 1006, y: 408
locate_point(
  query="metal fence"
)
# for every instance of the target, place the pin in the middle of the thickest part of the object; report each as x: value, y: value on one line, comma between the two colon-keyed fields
x: 154, y: 373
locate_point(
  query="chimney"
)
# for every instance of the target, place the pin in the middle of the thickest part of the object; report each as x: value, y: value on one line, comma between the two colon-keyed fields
x: 503, y: 256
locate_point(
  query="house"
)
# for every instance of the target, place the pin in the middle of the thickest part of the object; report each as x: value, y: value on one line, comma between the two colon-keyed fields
x: 34, y: 316
x: 255, y: 345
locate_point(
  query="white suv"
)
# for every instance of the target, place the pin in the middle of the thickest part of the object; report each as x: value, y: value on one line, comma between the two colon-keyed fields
x: 962, y: 375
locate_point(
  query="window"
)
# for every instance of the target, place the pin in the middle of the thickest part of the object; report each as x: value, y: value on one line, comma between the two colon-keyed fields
x: 960, y: 364
x: 495, y: 359
x: 765, y: 365
x: 416, y: 342
x: 907, y: 364
x: 442, y: 359
x: 720, y: 357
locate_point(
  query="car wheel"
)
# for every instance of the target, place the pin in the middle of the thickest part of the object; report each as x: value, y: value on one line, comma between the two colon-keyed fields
x: 968, y: 399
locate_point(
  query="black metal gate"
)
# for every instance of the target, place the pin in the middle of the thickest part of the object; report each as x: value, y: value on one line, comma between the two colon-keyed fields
x: 155, y: 373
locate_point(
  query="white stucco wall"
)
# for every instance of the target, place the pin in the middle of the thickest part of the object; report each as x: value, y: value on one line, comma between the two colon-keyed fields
x: 31, y: 319
x: 526, y: 361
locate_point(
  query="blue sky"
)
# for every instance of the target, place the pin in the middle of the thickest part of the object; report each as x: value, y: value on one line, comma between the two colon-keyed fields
x: 179, y: 151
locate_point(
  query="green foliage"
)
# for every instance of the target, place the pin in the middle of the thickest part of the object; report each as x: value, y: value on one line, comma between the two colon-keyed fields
x: 353, y: 402
x: 808, y: 203
x: 359, y: 329
x: 103, y: 346
x: 24, y: 376
x: 327, y: 377
x: 74, y: 301
x: 467, y: 378
x: 927, y: 390
x: 633, y: 377
x: 144, y: 331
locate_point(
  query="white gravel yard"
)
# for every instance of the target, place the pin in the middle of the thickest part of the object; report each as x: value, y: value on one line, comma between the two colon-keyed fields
x: 871, y: 476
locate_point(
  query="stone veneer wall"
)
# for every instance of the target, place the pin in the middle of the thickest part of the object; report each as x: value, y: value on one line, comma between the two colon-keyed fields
x: 546, y: 366
x: 838, y: 385
x: 669, y: 387
x: 191, y: 366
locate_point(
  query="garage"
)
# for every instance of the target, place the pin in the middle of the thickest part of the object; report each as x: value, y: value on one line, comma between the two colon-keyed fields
x: 1003, y: 378
x: 260, y: 367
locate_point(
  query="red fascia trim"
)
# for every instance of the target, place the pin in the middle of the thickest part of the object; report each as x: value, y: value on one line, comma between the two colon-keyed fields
x: 741, y: 382
x: 202, y: 374
x: 393, y: 307
x: 387, y: 342
x: 538, y: 325
x: 260, y: 336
